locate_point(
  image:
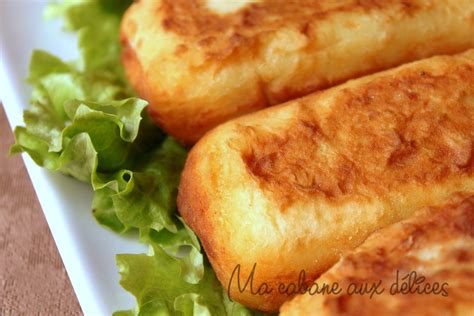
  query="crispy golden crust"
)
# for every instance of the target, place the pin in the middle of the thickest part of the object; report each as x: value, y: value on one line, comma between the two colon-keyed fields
x: 295, y: 186
x: 218, y: 35
x: 199, y: 68
x: 437, y: 243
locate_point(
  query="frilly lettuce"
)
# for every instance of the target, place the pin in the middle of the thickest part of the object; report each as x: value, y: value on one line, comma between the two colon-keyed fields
x: 85, y: 122
x: 156, y: 282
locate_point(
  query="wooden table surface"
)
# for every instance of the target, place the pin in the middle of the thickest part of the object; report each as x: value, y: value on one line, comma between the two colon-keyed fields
x: 33, y: 280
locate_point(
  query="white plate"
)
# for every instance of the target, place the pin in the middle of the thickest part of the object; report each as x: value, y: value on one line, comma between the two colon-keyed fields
x: 87, y: 249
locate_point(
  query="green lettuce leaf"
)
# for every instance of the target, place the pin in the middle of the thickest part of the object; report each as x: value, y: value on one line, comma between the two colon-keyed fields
x: 91, y: 140
x: 97, y: 23
x: 85, y: 121
x: 156, y: 283
x: 145, y: 197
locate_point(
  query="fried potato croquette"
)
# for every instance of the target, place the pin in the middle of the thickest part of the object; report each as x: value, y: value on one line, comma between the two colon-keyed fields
x: 200, y: 64
x: 297, y: 185
x: 435, y: 249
